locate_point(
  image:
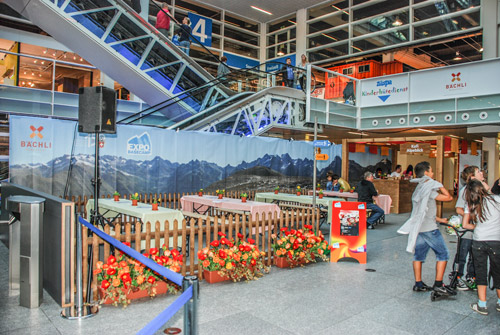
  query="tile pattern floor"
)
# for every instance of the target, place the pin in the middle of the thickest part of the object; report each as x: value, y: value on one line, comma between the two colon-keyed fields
x: 322, y: 298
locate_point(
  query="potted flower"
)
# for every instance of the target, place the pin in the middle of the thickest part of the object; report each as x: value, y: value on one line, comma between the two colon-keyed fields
x: 299, y: 190
x: 320, y: 194
x: 296, y: 247
x: 154, y: 205
x: 244, y: 197
x: 352, y: 189
x: 318, y: 187
x: 134, y: 198
x: 220, y: 193
x: 122, y: 278
x: 200, y: 192
x: 232, y: 260
x: 116, y: 196
x: 341, y: 190
x: 276, y: 190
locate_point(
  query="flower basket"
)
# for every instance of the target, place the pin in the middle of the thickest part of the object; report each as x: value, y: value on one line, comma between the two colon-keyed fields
x: 298, y: 193
x: 283, y: 262
x: 276, y: 191
x: 321, y: 195
x: 341, y: 190
x: 134, y: 202
x: 243, y: 199
x: 352, y: 191
x: 154, y: 206
x: 213, y: 277
x: 220, y: 196
x: 234, y: 260
x: 200, y: 194
x: 133, y: 294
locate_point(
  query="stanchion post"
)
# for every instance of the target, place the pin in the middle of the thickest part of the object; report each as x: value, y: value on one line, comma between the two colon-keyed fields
x: 191, y: 307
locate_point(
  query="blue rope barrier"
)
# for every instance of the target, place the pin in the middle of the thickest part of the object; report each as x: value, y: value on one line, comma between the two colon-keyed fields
x: 164, y: 316
x: 169, y: 274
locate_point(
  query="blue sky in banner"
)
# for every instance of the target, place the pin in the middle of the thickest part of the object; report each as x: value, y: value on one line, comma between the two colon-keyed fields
x: 40, y: 140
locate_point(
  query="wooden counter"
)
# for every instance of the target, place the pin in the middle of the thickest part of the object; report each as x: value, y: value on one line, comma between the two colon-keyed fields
x: 400, y: 192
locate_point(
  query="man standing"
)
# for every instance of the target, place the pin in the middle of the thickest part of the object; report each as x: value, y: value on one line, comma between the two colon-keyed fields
x: 422, y: 229
x: 288, y: 74
x: 366, y: 191
x: 163, y: 20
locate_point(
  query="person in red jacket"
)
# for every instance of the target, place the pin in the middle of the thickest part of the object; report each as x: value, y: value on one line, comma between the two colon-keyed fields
x: 163, y: 20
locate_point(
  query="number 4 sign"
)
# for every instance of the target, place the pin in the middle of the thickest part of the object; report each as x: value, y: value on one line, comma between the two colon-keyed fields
x: 201, y: 28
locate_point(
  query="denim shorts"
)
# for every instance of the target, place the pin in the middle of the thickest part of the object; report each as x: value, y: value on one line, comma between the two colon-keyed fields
x: 430, y: 240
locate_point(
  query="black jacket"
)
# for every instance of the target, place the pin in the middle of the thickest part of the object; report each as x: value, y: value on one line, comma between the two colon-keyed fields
x: 366, y: 191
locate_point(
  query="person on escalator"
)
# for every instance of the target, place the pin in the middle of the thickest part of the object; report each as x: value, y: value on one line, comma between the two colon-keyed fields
x: 163, y: 20
x: 288, y: 73
x: 184, y: 39
x: 223, y: 69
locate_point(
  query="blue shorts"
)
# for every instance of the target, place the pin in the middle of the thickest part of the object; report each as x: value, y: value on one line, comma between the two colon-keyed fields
x: 430, y: 240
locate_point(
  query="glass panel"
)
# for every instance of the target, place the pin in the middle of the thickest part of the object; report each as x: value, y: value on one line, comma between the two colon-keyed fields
x: 35, y: 73
x: 76, y: 6
x: 378, y: 9
x: 198, y: 8
x: 281, y: 37
x: 448, y: 25
x: 330, y: 52
x: 380, y: 23
x: 328, y: 23
x: 132, y: 50
x: 331, y: 7
x: 241, y: 49
x: 69, y: 78
x: 330, y: 37
x: 241, y: 22
x: 96, y: 22
x: 380, y: 41
x: 240, y: 36
x: 289, y: 21
x: 281, y: 50
x: 441, y: 8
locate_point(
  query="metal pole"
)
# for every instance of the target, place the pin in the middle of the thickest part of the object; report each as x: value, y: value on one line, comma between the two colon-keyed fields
x: 191, y: 307
x: 315, y: 161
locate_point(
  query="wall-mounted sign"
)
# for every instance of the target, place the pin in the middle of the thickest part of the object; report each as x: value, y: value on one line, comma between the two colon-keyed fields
x: 201, y: 28
x: 411, y: 148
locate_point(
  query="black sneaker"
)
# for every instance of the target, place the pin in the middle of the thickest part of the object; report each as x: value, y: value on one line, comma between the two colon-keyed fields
x: 423, y: 288
x: 370, y: 226
x: 481, y: 310
x: 444, y: 290
x: 498, y: 307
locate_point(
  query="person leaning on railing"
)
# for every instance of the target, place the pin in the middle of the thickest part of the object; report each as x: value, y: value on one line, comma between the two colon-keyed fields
x: 163, y: 20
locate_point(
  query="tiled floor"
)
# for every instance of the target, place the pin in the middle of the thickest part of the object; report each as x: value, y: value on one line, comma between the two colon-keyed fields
x: 323, y: 298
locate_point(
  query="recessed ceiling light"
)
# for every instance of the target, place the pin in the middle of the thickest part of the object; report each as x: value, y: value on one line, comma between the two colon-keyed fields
x: 457, y: 56
x: 262, y: 10
x: 397, y: 22
x: 426, y: 130
x: 355, y: 133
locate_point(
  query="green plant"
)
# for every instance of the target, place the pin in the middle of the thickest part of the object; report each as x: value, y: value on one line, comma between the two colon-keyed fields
x: 120, y: 276
x: 116, y: 194
x: 277, y: 188
x: 244, y: 195
x: 320, y: 191
x: 135, y: 196
x: 299, y: 189
x: 200, y: 190
x: 220, y: 191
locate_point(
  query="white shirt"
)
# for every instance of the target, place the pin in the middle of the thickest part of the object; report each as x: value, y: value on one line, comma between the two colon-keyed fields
x: 395, y: 174
x: 489, y: 229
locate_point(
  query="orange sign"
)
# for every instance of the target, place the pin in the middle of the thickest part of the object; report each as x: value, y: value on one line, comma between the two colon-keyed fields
x: 321, y: 157
x: 348, y: 231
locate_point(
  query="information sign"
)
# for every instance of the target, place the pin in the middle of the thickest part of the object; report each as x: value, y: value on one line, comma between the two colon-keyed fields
x: 322, y: 143
x: 321, y: 157
x: 348, y: 231
x: 201, y: 28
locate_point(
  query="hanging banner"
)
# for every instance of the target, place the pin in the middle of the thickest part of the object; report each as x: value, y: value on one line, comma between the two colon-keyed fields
x: 386, y: 90
x: 150, y: 160
x: 201, y: 28
x: 240, y: 62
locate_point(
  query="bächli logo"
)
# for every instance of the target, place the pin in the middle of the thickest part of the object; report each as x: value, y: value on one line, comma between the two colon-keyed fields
x: 455, y: 77
x: 36, y: 135
x: 457, y: 82
x: 36, y: 131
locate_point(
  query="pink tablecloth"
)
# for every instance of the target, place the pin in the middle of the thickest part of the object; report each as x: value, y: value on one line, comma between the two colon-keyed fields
x: 384, y: 201
x: 191, y: 202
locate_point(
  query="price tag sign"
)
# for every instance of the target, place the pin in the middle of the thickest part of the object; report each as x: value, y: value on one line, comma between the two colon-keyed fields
x: 201, y: 28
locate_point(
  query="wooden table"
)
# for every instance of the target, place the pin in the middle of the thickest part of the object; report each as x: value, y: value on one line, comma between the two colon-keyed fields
x: 205, y: 203
x: 384, y: 201
x: 111, y: 209
x: 302, y: 199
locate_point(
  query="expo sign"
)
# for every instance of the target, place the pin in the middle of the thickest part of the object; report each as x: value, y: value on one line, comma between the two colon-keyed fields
x: 139, y: 145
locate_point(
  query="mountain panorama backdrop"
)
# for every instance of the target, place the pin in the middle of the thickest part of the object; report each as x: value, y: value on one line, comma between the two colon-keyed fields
x: 132, y: 162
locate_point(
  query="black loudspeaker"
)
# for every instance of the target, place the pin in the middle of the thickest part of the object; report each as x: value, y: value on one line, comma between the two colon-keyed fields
x: 97, y: 110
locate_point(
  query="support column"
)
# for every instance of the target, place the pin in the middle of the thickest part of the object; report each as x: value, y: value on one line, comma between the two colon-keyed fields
x: 263, y: 44
x: 107, y: 81
x: 438, y: 174
x: 490, y: 18
x: 300, y: 35
x: 490, y: 145
x: 345, y: 160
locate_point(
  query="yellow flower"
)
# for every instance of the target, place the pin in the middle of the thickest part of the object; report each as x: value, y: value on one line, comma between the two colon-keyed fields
x: 229, y: 265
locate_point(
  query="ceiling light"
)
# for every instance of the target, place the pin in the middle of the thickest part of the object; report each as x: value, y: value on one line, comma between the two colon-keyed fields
x: 457, y: 56
x: 35, y: 61
x: 454, y: 21
x: 40, y: 75
x: 45, y: 51
x: 81, y: 59
x: 280, y: 53
x: 64, y: 55
x: 478, y: 141
x: 355, y: 133
x: 454, y: 136
x: 43, y: 62
x: 333, y: 38
x: 426, y: 130
x: 32, y: 73
x: 359, y: 49
x: 74, y: 57
x: 261, y: 10
x: 397, y: 22
x: 24, y: 72
x: 481, y: 50
x: 292, y: 22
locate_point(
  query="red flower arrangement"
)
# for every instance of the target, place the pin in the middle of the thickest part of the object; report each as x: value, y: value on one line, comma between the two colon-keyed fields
x: 235, y: 260
x: 120, y: 276
x: 300, y: 246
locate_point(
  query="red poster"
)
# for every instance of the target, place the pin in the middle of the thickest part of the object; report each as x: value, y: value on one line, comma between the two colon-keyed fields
x: 348, y: 231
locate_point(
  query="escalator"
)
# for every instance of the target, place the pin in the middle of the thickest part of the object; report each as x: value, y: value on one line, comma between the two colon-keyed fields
x: 115, y: 39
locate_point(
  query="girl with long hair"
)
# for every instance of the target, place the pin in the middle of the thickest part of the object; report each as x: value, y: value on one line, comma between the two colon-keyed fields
x: 482, y: 214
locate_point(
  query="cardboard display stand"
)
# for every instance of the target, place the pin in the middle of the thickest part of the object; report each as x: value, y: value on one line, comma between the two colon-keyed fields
x: 348, y: 231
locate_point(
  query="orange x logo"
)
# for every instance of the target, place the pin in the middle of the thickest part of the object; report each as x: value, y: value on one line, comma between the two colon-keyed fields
x: 36, y: 132
x: 455, y: 77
